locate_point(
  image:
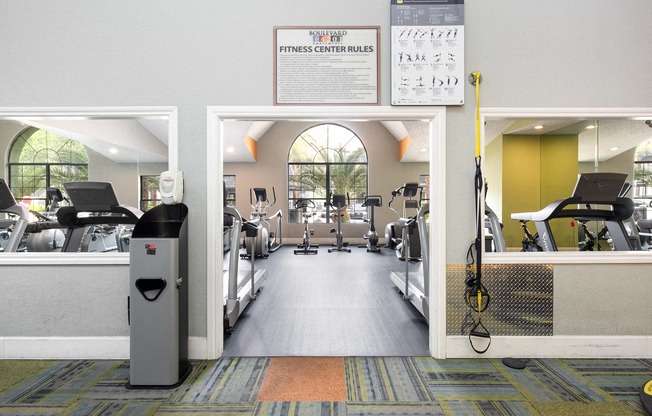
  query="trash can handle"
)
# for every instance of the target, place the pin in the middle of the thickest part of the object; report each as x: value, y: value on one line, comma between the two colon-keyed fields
x: 147, y: 285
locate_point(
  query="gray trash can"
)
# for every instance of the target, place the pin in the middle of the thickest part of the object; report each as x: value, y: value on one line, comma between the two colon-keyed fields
x: 158, y: 299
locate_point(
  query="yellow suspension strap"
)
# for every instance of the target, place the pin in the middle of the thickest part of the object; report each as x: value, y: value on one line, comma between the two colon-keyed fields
x: 476, y: 295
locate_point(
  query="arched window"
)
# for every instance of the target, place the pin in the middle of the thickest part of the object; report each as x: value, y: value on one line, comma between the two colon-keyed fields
x: 324, y: 160
x: 39, y: 159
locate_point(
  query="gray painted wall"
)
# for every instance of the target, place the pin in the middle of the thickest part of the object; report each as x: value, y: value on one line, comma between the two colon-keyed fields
x: 583, y: 53
x: 605, y: 301
x: 71, y: 300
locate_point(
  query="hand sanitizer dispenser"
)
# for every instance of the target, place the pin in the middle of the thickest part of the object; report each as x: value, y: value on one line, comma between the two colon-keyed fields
x: 171, y: 186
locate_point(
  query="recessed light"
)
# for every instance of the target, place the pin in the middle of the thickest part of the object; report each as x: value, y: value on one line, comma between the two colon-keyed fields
x: 590, y: 126
x: 614, y: 148
x: 113, y: 150
x: 538, y: 127
x: 230, y: 149
x: 423, y: 149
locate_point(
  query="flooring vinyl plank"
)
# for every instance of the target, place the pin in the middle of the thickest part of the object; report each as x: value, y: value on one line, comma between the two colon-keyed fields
x: 329, y: 304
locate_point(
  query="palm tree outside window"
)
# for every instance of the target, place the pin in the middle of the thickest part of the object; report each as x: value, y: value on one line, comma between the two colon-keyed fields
x: 39, y: 159
x: 324, y: 160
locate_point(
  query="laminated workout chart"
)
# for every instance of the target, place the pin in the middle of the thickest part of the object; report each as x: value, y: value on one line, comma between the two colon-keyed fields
x: 427, y: 52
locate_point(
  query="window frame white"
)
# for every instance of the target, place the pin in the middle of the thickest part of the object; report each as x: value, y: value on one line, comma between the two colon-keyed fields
x: 575, y: 257
x: 18, y: 113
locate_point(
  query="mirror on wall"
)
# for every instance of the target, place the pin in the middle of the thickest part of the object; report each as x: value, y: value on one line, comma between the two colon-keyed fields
x: 49, y: 163
x: 535, y: 165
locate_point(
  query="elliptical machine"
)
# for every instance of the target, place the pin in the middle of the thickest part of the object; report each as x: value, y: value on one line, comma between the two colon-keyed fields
x: 339, y: 202
x: 371, y: 235
x: 266, y: 241
x: 305, y: 247
x: 394, y: 230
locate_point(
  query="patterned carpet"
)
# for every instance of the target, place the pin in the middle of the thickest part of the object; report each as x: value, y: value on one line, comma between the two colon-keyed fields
x: 374, y: 386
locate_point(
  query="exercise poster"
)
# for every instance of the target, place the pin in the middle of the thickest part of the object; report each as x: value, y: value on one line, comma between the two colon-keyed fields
x: 326, y: 65
x: 427, y: 52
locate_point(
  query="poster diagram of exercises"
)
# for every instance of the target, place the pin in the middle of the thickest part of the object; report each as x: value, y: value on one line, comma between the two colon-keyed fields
x: 427, y: 52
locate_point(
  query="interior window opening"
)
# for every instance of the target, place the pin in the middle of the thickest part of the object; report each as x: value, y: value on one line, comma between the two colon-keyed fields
x: 567, y: 184
x: 77, y: 184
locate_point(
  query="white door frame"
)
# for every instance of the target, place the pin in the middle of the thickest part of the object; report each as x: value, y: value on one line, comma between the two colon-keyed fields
x: 216, y: 115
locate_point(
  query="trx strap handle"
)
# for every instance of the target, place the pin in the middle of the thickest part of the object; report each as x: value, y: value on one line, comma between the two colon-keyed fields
x: 479, y: 331
x: 474, y: 283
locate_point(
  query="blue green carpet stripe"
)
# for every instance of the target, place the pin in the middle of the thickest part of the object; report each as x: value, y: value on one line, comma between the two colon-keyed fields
x: 205, y: 409
x: 487, y: 407
x: 105, y: 408
x: 31, y: 410
x: 385, y: 379
x: 228, y: 380
x: 393, y: 409
x: 458, y: 379
x: 111, y: 387
x: 300, y: 409
x: 567, y: 384
x: 59, y: 385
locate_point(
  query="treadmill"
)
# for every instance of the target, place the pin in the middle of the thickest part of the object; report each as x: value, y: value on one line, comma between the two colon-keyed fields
x: 240, y: 286
x: 11, y: 240
x: 18, y: 234
x: 95, y: 204
x: 416, y: 286
x: 591, y: 189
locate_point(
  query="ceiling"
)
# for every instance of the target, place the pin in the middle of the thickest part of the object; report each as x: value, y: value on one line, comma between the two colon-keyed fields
x: 613, y: 136
x: 145, y: 140
x: 236, y: 150
x: 122, y: 140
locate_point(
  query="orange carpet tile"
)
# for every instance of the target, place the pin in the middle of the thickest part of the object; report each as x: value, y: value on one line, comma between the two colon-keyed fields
x: 304, y: 379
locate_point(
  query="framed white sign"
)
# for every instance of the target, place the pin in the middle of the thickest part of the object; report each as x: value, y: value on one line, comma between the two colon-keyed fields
x: 326, y: 65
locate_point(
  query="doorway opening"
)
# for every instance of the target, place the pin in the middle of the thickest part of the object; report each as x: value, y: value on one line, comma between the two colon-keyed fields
x: 219, y: 116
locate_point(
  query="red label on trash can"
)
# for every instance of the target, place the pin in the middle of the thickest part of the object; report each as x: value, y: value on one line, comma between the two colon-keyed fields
x: 150, y: 249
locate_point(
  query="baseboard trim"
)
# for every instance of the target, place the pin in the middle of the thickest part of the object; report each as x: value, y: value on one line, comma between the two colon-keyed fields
x: 107, y: 348
x: 96, y: 348
x: 553, y: 347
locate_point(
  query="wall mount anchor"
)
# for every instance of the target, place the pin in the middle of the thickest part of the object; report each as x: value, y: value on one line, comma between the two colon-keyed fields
x: 472, y: 79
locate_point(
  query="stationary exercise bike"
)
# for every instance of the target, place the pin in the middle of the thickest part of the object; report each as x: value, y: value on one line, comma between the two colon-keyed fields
x: 266, y: 242
x: 339, y: 202
x: 371, y: 235
x: 305, y: 247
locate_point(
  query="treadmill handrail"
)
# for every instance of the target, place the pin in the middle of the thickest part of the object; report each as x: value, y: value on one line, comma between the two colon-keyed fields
x: 229, y: 210
x: 69, y: 216
x: 424, y: 235
x: 623, y: 208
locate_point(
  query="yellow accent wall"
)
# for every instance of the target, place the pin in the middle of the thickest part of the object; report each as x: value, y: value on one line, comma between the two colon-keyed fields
x: 521, y: 183
x: 493, y: 173
x: 559, y: 169
x: 537, y: 170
